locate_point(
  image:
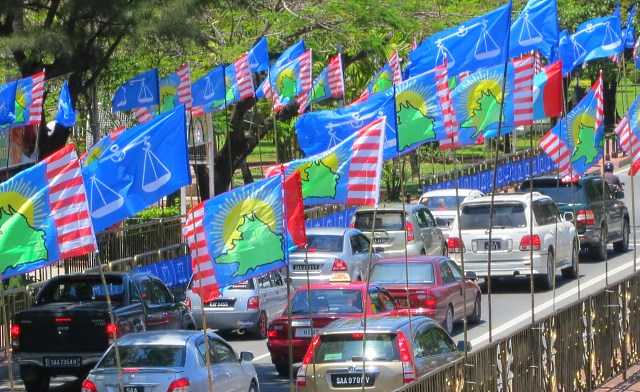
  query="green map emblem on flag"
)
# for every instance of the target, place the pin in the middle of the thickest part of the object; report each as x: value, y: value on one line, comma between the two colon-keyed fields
x: 320, y: 177
x: 582, y: 143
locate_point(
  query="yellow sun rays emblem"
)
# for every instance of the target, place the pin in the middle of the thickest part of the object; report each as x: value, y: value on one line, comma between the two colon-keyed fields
x: 232, y: 215
x: 483, y: 87
x: 17, y: 199
x: 414, y: 99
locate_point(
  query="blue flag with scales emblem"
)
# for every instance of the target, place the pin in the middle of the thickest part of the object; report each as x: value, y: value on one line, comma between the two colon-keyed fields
x: 535, y: 28
x: 142, y: 165
x: 140, y: 91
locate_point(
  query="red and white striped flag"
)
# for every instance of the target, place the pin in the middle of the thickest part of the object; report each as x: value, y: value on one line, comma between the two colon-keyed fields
x: 204, y: 279
x: 143, y: 114
x: 557, y: 150
x: 243, y: 77
x: 446, y: 104
x: 37, y: 96
x: 629, y: 142
x: 523, y: 90
x: 184, y: 88
x: 332, y: 75
x: 365, y: 169
x: 599, y: 102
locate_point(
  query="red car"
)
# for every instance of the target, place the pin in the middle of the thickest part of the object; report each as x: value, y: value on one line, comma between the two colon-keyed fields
x: 434, y: 287
x: 329, y: 301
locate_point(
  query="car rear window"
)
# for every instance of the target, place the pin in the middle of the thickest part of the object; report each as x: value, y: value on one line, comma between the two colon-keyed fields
x: 397, y: 273
x: 505, y: 215
x: 442, y: 203
x: 348, y: 347
x: 139, y: 356
x: 89, y: 288
x: 323, y: 243
x: 387, y: 220
x: 560, y: 192
x: 327, y: 300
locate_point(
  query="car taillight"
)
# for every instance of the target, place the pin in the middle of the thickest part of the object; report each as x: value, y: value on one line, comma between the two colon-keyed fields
x: 410, y: 235
x: 188, y: 302
x: 339, y: 265
x: 585, y: 217
x: 408, y: 368
x: 301, y: 378
x: 113, y: 332
x: 422, y: 301
x: 455, y: 245
x: 277, y: 328
x: 253, y: 303
x: 530, y: 242
x: 88, y: 386
x: 180, y: 385
x: 352, y: 225
x: 15, y: 337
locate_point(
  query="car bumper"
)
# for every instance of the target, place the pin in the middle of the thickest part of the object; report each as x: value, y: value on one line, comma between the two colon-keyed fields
x: 279, y: 350
x: 224, y: 320
x: 590, y: 237
x: 503, y: 266
x: 413, y: 249
x: 89, y: 360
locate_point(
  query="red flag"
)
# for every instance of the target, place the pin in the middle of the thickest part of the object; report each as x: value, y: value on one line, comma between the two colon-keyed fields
x: 547, y: 95
x: 294, y: 209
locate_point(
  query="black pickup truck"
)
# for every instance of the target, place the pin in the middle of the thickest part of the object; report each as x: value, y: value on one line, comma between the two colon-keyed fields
x: 69, y: 327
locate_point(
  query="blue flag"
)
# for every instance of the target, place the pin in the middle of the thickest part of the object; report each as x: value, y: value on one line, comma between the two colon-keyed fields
x: 629, y: 37
x: 7, y: 104
x: 142, y: 165
x: 321, y: 130
x: 209, y: 91
x: 535, y: 28
x: 583, y: 132
x: 292, y: 53
x: 419, y: 115
x: 259, y: 56
x: 597, y: 38
x: 478, y: 100
x: 66, y: 115
x: 478, y: 43
x: 567, y: 52
x: 141, y: 91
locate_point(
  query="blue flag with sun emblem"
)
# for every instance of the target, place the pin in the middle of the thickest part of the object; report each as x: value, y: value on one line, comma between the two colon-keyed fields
x: 418, y: 112
x: 582, y: 132
x: 7, y: 104
x: 477, y: 101
x: 244, y: 231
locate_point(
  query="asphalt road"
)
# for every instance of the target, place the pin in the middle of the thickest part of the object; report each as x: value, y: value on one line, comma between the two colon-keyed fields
x: 511, y: 309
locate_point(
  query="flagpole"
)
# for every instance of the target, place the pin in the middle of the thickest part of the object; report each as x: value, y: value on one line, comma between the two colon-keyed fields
x: 633, y: 198
x: 6, y: 325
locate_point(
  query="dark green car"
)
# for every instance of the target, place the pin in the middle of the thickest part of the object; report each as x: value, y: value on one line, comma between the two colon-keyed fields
x: 600, y: 216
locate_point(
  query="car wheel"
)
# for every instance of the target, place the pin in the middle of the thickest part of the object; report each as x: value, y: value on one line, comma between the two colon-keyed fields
x: 253, y: 387
x: 599, y: 252
x: 260, y: 330
x: 283, y: 369
x: 623, y: 244
x: 572, y: 271
x: 545, y: 281
x: 445, y: 250
x: 477, y: 311
x: 448, y: 320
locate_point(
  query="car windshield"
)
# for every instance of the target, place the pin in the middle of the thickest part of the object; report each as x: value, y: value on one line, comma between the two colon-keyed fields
x: 327, y: 300
x: 387, y: 220
x: 348, y: 348
x: 89, y: 288
x: 397, y: 273
x: 561, y: 193
x: 323, y: 243
x: 141, y: 356
x: 442, y: 203
x: 505, y: 215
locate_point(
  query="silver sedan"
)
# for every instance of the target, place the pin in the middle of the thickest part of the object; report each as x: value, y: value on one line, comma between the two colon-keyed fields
x: 173, y: 361
x: 331, y: 250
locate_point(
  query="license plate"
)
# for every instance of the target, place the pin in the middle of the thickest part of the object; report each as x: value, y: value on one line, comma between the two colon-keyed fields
x: 63, y: 362
x: 306, y: 332
x: 220, y: 304
x: 380, y: 240
x: 495, y: 245
x: 306, y: 267
x: 351, y: 380
x: 133, y: 389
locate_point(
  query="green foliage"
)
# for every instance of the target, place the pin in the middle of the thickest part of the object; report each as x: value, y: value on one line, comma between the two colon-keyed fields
x: 152, y: 213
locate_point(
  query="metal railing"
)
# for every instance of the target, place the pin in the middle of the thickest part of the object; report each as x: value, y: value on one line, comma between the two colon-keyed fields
x: 575, y: 349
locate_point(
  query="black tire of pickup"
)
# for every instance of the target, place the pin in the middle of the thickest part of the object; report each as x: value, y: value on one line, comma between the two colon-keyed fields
x: 598, y: 252
x: 623, y: 245
x: 35, y: 379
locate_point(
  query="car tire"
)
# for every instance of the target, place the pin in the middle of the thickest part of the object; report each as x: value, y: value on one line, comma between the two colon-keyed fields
x: 623, y: 245
x: 572, y: 271
x: 545, y: 281
x: 447, y: 324
x: 260, y: 330
x: 599, y: 252
x: 283, y: 369
x: 41, y: 381
x: 477, y: 311
x: 253, y: 387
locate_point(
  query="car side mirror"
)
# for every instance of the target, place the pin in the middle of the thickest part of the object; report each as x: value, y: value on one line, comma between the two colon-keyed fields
x: 246, y: 356
x: 470, y: 275
x: 180, y: 297
x: 464, y: 346
x: 568, y: 216
x: 620, y: 195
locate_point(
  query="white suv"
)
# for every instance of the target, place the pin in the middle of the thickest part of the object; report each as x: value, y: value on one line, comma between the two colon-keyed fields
x: 549, y: 240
